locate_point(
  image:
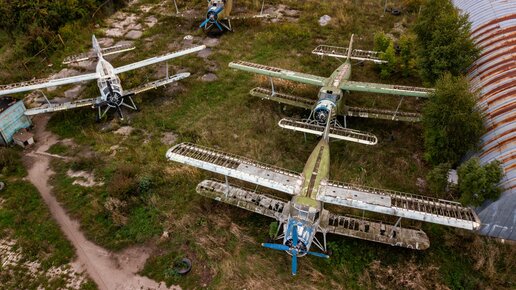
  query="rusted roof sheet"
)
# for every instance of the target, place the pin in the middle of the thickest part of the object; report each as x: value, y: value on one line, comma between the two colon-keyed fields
x: 493, y: 75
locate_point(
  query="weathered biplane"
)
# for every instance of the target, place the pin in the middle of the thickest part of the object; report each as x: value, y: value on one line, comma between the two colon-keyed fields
x: 219, y: 15
x: 112, y: 96
x: 330, y: 96
x: 304, y: 215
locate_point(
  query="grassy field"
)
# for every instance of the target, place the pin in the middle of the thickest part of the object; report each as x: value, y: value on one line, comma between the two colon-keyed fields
x: 26, y: 222
x: 144, y: 196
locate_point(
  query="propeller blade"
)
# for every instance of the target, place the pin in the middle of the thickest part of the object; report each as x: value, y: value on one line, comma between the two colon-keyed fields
x: 294, y: 263
x: 294, y: 235
x: 204, y: 23
x: 320, y: 255
x: 120, y: 112
x: 218, y: 25
x: 276, y: 246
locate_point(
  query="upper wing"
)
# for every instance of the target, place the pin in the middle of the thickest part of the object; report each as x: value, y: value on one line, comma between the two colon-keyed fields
x: 278, y: 73
x: 44, y: 83
x: 157, y: 59
x: 400, y: 204
x: 235, y: 166
x: 244, y: 198
x: 386, y: 89
x: 371, y: 230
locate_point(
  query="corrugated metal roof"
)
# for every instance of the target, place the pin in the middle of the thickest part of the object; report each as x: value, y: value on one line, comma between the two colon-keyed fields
x: 494, y: 76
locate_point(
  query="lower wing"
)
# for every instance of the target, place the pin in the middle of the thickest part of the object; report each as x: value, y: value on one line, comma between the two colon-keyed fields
x: 44, y: 83
x: 244, y: 198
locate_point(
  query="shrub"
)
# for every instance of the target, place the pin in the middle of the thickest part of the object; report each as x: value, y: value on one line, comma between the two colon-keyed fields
x: 478, y: 183
x: 438, y: 178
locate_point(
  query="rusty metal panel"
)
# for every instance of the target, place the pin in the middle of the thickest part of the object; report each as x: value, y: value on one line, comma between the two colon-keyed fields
x: 493, y: 75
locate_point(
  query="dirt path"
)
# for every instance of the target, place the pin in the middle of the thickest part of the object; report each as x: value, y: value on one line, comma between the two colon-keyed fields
x: 106, y: 269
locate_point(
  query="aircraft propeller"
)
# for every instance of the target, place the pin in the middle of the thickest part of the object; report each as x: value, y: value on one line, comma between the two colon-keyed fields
x: 294, y: 250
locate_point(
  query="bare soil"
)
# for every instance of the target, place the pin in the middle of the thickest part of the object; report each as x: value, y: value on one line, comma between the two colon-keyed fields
x: 108, y: 270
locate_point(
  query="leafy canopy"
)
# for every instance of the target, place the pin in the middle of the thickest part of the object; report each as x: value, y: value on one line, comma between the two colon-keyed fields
x: 452, y: 125
x: 443, y: 39
x: 478, y: 183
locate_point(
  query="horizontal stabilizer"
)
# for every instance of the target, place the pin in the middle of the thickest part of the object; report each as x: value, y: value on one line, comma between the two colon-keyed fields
x: 244, y: 198
x: 283, y: 98
x: 93, y: 56
x: 405, y: 205
x: 235, y: 166
x: 382, y: 114
x: 63, y: 106
x: 342, y: 52
x: 335, y: 132
x: 375, y: 231
x: 157, y: 83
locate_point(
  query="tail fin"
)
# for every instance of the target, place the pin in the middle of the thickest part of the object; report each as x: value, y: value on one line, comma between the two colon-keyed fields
x: 350, y: 48
x: 96, y: 46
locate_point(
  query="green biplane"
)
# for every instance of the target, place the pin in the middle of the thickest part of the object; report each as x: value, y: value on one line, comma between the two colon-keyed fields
x: 331, y: 94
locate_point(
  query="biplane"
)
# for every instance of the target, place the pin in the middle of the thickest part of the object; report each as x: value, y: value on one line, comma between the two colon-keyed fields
x: 330, y: 97
x: 112, y: 96
x: 219, y: 16
x: 304, y: 218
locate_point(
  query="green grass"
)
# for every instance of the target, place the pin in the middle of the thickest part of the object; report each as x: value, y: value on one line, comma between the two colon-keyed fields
x: 223, y: 242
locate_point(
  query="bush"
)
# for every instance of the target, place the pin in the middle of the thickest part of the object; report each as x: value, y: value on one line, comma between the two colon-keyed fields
x: 39, y: 21
x: 438, y: 178
x: 478, y: 183
x: 124, y: 182
x: 403, y: 60
x: 452, y: 125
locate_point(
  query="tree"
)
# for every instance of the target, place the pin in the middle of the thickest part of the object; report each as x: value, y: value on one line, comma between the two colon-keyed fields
x: 451, y: 123
x: 443, y: 39
x: 478, y: 183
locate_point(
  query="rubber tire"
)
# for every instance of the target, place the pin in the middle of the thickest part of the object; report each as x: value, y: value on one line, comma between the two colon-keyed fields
x: 187, y: 267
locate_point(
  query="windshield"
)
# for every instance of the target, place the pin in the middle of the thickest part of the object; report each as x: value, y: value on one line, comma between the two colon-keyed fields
x: 304, y: 212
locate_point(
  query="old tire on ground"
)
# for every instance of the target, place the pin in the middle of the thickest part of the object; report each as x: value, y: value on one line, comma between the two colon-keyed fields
x: 183, y: 267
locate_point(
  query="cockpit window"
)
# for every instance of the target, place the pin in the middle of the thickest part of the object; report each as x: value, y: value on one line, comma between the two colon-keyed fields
x: 304, y: 212
x: 329, y: 96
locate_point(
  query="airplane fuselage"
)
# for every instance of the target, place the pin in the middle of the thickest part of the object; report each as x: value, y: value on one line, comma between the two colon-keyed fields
x: 109, y: 83
x: 330, y: 95
x: 305, y: 209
